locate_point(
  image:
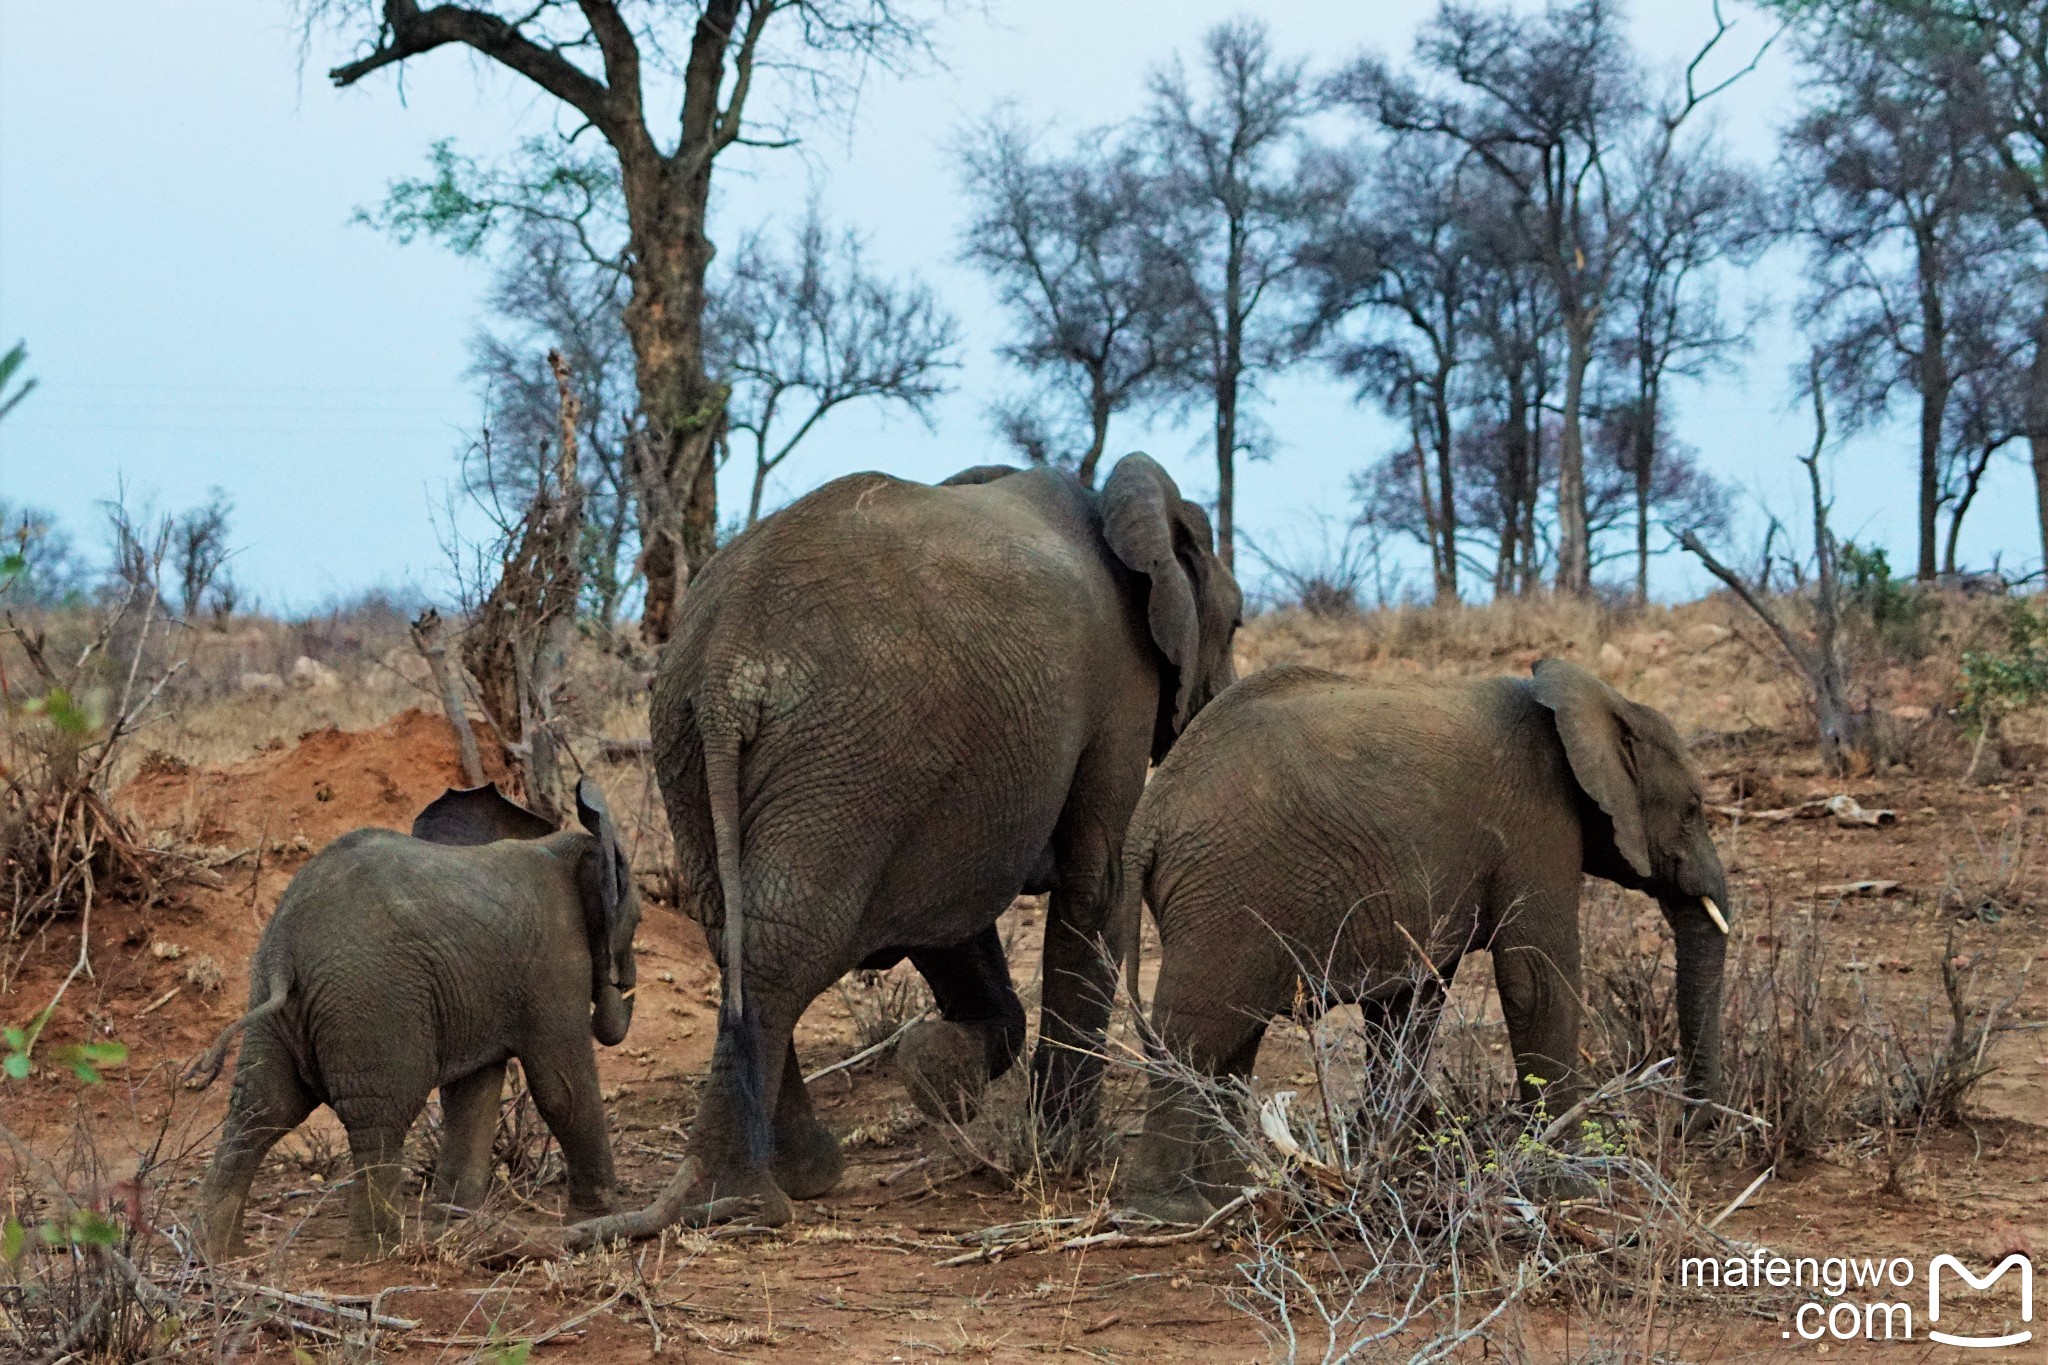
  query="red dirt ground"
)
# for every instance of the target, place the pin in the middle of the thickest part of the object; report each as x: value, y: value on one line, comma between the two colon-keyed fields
x: 858, y: 1277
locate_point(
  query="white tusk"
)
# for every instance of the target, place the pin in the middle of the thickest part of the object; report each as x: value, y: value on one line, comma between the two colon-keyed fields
x: 1714, y: 913
x: 627, y: 994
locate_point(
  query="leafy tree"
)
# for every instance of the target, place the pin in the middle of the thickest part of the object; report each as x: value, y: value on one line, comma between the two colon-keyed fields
x: 1068, y: 242
x: 607, y: 63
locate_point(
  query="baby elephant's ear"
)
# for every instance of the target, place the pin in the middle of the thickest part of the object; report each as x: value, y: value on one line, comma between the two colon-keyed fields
x: 477, y: 815
x: 597, y: 819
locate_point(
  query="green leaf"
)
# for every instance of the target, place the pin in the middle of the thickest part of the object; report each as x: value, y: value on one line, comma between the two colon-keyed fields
x: 85, y: 1059
x: 89, y: 1228
x: 16, y: 1065
x: 514, y: 1354
x: 13, y: 1240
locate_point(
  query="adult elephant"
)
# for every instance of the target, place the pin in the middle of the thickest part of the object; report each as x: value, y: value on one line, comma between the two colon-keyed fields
x: 1366, y: 836
x: 886, y: 711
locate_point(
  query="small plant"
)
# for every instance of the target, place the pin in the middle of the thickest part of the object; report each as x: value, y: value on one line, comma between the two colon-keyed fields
x: 1997, y: 683
x: 1894, y: 613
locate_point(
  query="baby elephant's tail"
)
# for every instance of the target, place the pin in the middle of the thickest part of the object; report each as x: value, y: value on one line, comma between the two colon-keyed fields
x: 202, y: 1073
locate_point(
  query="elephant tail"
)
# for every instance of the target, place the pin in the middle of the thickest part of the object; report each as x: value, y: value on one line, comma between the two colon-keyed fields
x: 736, y: 1021
x: 1126, y: 923
x: 206, y: 1070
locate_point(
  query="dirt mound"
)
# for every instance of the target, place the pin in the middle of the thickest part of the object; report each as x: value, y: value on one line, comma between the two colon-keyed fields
x: 330, y: 782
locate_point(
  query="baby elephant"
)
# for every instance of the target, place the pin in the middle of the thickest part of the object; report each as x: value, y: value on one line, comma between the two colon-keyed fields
x: 397, y: 964
x: 1312, y: 828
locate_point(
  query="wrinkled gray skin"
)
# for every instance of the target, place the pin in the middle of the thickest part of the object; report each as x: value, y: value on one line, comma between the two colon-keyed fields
x: 395, y: 965
x: 1307, y: 819
x: 889, y: 709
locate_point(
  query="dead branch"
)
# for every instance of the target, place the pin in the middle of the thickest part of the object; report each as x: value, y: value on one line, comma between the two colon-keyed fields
x: 427, y: 639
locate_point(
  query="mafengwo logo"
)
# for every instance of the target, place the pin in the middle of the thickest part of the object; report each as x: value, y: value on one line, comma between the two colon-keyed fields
x: 1860, y: 1298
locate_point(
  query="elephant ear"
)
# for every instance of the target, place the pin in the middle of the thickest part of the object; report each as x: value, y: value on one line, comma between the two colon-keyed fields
x: 1192, y: 602
x: 477, y: 815
x: 1594, y: 721
x: 607, y: 874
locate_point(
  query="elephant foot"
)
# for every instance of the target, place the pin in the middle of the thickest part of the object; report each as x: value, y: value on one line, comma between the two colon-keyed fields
x: 1185, y: 1205
x: 768, y: 1205
x: 808, y: 1162
x: 591, y: 1205
x: 944, y: 1066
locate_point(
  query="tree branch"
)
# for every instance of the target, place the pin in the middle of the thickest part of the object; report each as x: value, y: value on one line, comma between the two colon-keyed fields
x: 410, y: 31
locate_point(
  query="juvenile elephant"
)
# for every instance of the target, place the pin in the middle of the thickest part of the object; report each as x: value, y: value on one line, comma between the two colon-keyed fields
x: 886, y: 711
x: 395, y: 965
x: 1312, y: 825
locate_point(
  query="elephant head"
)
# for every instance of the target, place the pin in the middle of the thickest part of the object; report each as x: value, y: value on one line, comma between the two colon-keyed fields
x: 1192, y: 601
x: 1629, y: 763
x: 611, y: 907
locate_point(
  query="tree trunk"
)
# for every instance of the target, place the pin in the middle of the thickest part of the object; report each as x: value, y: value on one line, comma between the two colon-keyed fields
x: 1645, y: 442
x: 1933, y: 403
x: 1226, y: 471
x: 2037, y: 425
x: 1574, y: 554
x: 1446, y: 490
x: 1098, y: 431
x: 684, y: 409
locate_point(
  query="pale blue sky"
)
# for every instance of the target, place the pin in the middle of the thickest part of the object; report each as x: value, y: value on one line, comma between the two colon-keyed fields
x: 176, y: 247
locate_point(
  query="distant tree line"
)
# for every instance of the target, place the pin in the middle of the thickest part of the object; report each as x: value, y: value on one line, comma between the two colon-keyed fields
x: 1516, y: 244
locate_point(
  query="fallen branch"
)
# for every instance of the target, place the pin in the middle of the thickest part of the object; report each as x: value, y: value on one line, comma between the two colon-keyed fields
x: 1163, y: 1239
x: 857, y: 1058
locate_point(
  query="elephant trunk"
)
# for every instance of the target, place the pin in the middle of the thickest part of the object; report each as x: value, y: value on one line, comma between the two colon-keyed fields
x: 612, y: 1003
x: 1702, y: 954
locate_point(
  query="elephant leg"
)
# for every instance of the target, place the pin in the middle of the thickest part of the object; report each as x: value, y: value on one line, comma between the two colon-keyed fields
x: 376, y: 1143
x: 469, y: 1126
x: 267, y: 1102
x: 807, y: 1161
x: 1079, y: 974
x: 1536, y: 970
x: 1183, y: 1158
x: 563, y: 1081
x: 948, y: 1062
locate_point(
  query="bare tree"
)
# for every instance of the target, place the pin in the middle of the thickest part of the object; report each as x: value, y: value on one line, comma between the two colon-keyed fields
x: 1395, y: 276
x: 517, y: 645
x: 1553, y: 105
x: 810, y: 327
x: 597, y: 58
x: 1697, y: 213
x: 1994, y: 53
x: 1891, y: 188
x: 561, y: 285
x: 1233, y: 211
x: 199, y: 550
x: 1842, y: 725
x: 1067, y: 242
